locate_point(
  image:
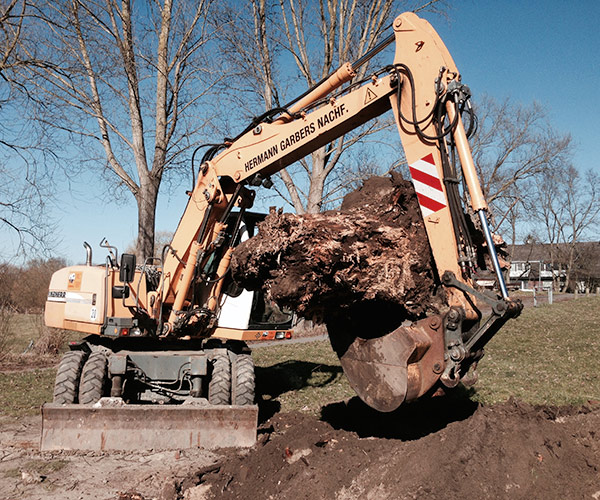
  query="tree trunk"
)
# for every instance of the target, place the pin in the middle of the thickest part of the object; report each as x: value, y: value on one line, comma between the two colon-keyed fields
x: 314, y: 200
x: 146, y: 199
x: 131, y: 94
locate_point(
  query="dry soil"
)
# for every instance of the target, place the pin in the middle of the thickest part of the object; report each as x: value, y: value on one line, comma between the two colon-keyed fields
x: 444, y: 448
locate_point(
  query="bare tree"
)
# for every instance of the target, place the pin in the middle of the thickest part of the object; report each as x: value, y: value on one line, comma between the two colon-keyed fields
x: 121, y: 84
x: 566, y: 204
x: 514, y: 145
x: 281, y: 47
x: 23, y: 184
x: 12, y: 16
x: 24, y: 217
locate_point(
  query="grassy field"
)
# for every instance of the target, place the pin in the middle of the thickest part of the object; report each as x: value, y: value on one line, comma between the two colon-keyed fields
x: 300, y: 376
x: 23, y: 393
x: 548, y: 355
x: 27, y: 344
x: 23, y: 329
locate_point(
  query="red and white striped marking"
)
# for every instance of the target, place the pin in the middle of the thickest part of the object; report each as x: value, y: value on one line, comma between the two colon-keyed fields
x: 428, y: 185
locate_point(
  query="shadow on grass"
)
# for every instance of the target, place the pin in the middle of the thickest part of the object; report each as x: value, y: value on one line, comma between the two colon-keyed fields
x: 411, y: 421
x: 287, y: 376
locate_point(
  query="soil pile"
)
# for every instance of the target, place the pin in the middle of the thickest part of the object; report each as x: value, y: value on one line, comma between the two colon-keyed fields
x: 512, y: 450
x: 371, y: 259
x: 430, y: 449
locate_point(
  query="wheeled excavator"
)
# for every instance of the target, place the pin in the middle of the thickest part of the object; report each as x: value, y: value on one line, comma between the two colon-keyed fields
x: 174, y: 330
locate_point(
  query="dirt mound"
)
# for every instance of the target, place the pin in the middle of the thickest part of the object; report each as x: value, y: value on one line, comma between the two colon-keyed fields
x: 428, y: 450
x: 369, y: 259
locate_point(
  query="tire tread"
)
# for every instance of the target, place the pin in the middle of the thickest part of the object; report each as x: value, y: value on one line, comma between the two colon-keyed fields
x: 243, y: 386
x: 93, y: 379
x: 219, y: 386
x: 66, y: 385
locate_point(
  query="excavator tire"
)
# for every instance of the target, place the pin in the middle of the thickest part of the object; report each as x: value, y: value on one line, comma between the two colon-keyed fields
x: 243, y: 383
x: 219, y: 387
x: 93, y: 379
x: 66, y: 386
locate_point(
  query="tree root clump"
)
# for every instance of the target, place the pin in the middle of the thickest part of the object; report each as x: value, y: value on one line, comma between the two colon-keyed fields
x: 368, y: 263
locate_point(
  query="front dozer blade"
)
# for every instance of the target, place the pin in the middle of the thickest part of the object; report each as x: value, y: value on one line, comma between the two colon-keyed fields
x: 144, y: 427
x: 401, y: 366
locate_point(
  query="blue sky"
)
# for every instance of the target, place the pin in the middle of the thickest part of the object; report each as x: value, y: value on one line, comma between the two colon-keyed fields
x: 547, y: 51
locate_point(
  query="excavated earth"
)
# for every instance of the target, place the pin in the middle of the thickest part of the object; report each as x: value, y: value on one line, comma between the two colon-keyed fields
x: 433, y: 450
x: 438, y: 449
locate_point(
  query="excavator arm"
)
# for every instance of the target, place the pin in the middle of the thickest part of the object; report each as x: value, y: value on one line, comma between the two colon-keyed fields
x: 423, y: 88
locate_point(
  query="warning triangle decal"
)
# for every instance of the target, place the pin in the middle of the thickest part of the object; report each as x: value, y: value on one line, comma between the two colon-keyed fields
x: 370, y: 96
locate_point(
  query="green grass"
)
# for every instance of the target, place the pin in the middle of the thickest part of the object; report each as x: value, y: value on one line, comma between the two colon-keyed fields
x: 548, y: 355
x: 300, y: 376
x: 22, y: 329
x: 23, y: 393
x: 24, y: 387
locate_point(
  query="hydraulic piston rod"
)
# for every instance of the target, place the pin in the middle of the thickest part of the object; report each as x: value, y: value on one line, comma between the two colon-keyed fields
x: 343, y: 74
x: 493, y: 254
x: 477, y: 199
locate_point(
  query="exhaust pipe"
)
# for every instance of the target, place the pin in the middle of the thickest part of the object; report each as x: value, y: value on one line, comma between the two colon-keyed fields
x: 88, y: 253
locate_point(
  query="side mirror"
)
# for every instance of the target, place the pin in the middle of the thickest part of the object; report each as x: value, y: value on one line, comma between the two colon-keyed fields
x: 127, y: 270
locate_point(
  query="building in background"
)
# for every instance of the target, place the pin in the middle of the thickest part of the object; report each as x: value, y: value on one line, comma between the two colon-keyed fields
x: 544, y: 265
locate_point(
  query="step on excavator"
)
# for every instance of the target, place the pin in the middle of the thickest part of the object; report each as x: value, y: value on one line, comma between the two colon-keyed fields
x: 166, y: 362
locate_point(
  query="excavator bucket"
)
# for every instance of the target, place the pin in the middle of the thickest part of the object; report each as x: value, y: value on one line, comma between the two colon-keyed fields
x: 401, y: 366
x: 139, y: 427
